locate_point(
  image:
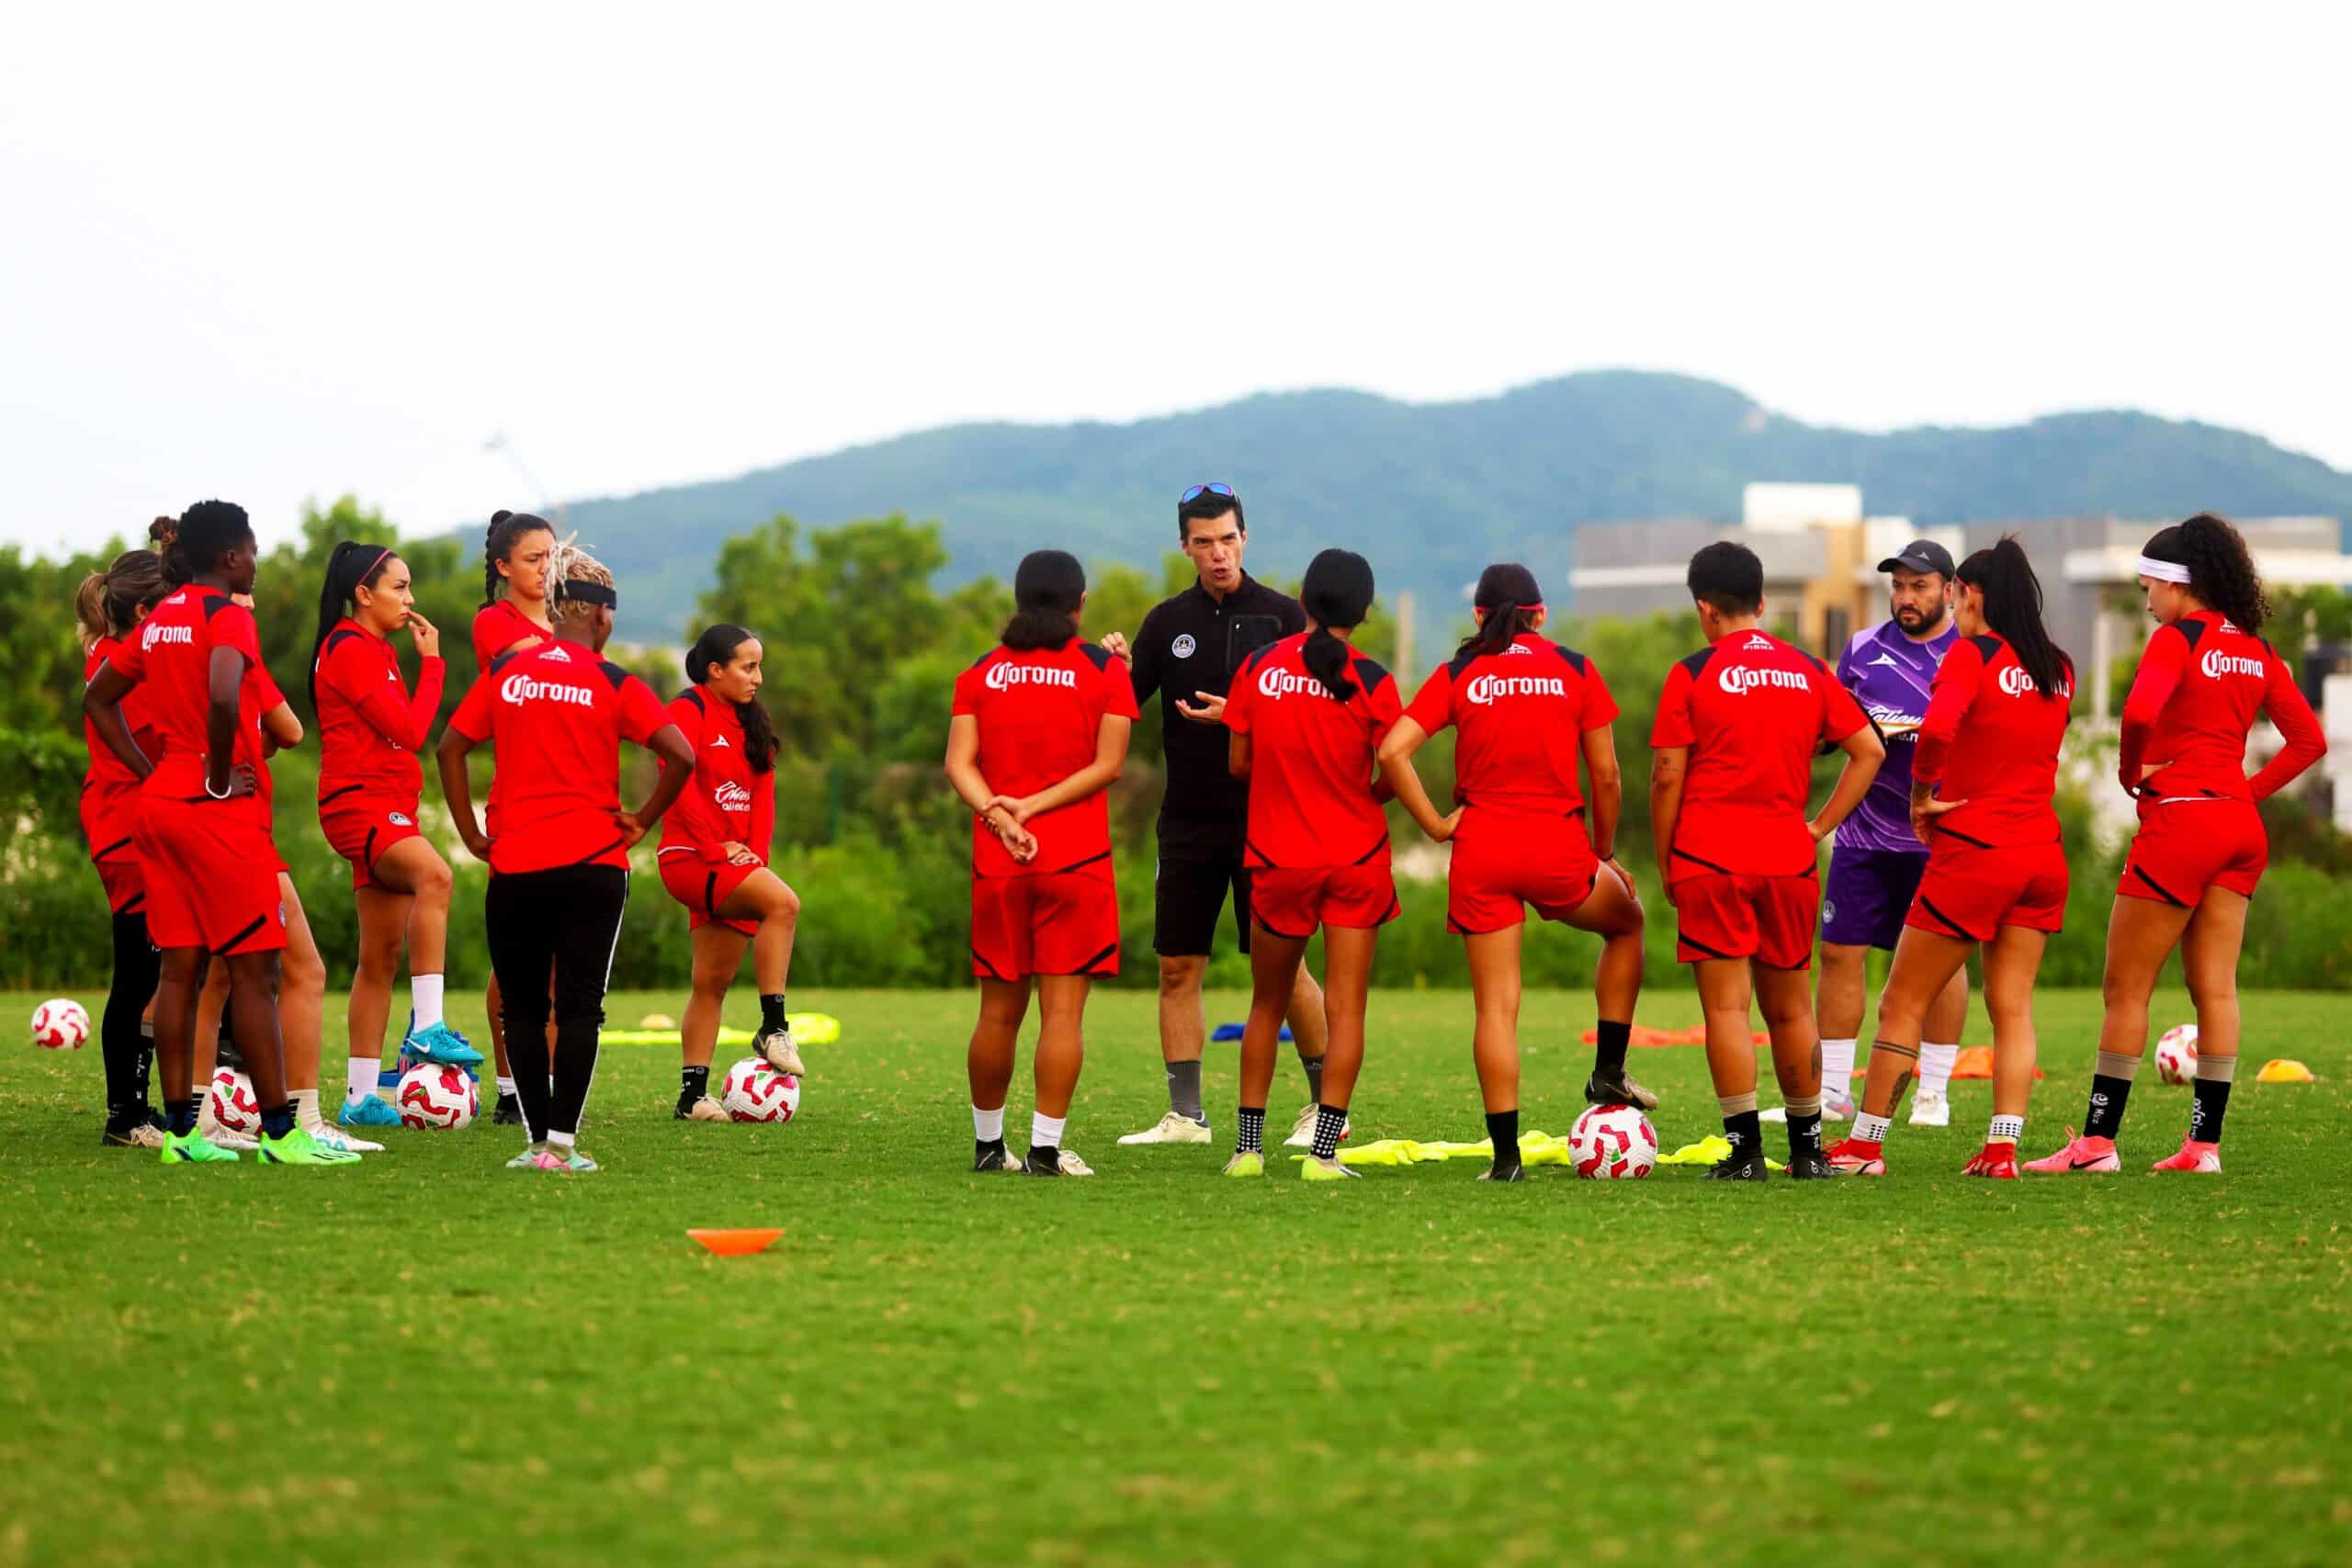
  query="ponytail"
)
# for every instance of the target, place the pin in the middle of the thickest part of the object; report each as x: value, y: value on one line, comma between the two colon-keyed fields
x: 1047, y: 588
x: 164, y: 535
x: 351, y: 566
x: 108, y: 604
x: 1336, y: 592
x: 90, y: 610
x: 506, y: 529
x: 1507, y: 593
x: 2013, y: 609
x: 716, y: 646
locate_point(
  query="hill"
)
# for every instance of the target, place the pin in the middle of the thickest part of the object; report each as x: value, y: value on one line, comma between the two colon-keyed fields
x: 1431, y: 492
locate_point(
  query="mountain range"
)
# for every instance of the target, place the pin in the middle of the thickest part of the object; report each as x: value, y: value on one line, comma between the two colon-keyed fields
x: 1432, y: 491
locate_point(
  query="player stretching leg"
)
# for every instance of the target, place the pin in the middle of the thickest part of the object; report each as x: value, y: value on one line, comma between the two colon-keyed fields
x: 1305, y: 715
x: 1039, y: 730
x: 1527, y: 708
x: 110, y: 605
x: 370, y: 730
x: 514, y: 617
x: 713, y: 859
x: 556, y: 714
x: 204, y: 827
x: 1980, y: 793
x: 1738, y: 725
x: 2200, y: 848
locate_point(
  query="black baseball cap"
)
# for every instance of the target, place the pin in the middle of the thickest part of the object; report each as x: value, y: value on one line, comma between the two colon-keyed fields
x: 1919, y: 555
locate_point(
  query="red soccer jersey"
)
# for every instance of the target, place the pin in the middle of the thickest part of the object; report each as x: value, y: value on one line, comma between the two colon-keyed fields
x: 1040, y: 712
x: 371, y: 728
x: 556, y: 714
x: 1522, y: 714
x: 498, y: 626
x: 2201, y: 685
x: 1991, y: 739
x: 1310, y: 758
x: 1753, y: 710
x: 171, y: 658
x: 109, y: 782
x: 726, y: 801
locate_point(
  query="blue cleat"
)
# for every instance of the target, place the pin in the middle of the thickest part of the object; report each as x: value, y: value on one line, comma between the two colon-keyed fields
x: 442, y: 1045
x: 369, y: 1110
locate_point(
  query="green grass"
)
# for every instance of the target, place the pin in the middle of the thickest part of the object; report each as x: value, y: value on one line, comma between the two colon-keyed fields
x: 431, y: 1358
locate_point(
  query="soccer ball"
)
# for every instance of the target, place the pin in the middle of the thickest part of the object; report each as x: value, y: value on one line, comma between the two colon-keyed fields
x: 234, y: 1105
x: 433, y: 1095
x: 1613, y: 1143
x: 2176, y: 1054
x: 756, y: 1092
x: 60, y: 1024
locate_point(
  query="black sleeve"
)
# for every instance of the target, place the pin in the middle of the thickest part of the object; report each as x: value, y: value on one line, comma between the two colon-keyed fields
x: 1143, y: 670
x: 1292, y: 615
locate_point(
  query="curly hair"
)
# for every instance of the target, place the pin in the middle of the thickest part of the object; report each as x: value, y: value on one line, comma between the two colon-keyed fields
x: 2221, y: 571
x: 569, y: 563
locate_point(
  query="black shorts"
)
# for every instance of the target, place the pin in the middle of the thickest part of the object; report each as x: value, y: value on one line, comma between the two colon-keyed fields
x: 1188, y: 897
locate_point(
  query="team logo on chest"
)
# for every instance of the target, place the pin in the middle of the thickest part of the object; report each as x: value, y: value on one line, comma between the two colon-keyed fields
x: 1184, y: 645
x: 732, y: 797
x: 1001, y: 676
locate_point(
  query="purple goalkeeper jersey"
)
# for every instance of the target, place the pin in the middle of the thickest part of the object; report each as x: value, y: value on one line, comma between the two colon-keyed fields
x: 1889, y: 674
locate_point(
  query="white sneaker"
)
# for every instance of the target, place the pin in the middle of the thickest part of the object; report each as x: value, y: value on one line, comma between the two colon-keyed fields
x: 210, y: 1126
x: 1171, y: 1129
x: 1931, y: 1110
x: 1838, y: 1109
x: 328, y: 1136
x: 776, y: 1046
x: 1302, y: 1131
x: 705, y: 1109
x: 1073, y: 1166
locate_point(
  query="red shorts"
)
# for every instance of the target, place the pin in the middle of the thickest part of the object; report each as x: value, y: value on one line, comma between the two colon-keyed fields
x: 1503, y: 862
x: 212, y: 878
x: 1293, y: 901
x: 360, y: 827
x: 702, y: 888
x: 2183, y: 847
x: 1972, y: 891
x: 1065, y: 923
x: 113, y: 832
x: 1736, y: 915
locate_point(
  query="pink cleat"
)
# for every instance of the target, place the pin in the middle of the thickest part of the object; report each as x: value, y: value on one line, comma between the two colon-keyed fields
x: 1998, y: 1161
x: 1852, y: 1157
x: 2094, y: 1157
x: 2204, y: 1159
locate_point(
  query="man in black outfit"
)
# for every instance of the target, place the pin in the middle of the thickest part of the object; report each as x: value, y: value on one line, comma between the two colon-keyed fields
x: 1187, y: 650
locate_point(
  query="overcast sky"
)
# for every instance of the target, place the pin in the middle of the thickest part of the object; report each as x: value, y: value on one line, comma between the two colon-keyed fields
x: 324, y: 249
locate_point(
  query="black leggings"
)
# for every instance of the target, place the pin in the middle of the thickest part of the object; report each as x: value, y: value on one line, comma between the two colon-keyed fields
x: 567, y: 919
x: 137, y: 966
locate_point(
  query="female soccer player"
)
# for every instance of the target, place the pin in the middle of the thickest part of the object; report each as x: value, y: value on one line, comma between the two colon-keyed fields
x: 1981, y: 785
x: 556, y: 714
x: 1528, y: 708
x: 714, y: 858
x: 212, y: 882
x: 110, y: 605
x: 514, y: 614
x: 1039, y: 731
x: 370, y: 730
x: 1307, y: 714
x: 2200, y: 848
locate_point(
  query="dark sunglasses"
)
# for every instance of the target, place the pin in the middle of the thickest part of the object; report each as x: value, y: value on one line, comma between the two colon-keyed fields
x: 1198, y: 491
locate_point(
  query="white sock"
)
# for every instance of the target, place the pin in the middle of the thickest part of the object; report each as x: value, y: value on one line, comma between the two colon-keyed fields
x: 2005, y: 1130
x: 1936, y: 1063
x: 987, y: 1126
x: 1837, y: 1068
x: 1046, y: 1130
x: 306, y: 1108
x: 359, y: 1076
x: 506, y: 1086
x: 1870, y: 1129
x: 562, y: 1140
x: 424, y: 998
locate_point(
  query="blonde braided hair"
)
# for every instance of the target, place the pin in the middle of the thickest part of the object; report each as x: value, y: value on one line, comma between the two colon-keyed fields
x: 567, y: 562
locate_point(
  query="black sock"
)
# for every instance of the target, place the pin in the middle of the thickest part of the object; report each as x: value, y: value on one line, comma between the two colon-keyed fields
x: 183, y: 1113
x: 1314, y: 1066
x: 693, y: 1084
x: 225, y: 1052
x: 1252, y: 1140
x: 145, y: 1077
x: 1184, y: 1091
x: 772, y: 1010
x: 276, y: 1124
x: 1502, y: 1126
x: 2105, y: 1117
x: 1746, y: 1134
x: 1805, y: 1134
x: 1609, y: 1049
x: 2205, y: 1114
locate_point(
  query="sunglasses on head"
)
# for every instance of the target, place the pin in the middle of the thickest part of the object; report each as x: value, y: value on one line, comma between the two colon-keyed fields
x: 1198, y: 491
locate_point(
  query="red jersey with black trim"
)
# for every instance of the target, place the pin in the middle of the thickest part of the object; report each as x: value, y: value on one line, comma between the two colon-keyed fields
x: 1310, y: 758
x: 371, y: 726
x: 556, y: 714
x: 499, y: 626
x: 1752, y: 710
x: 1991, y: 739
x: 1522, y: 714
x: 725, y: 801
x: 171, y: 657
x: 109, y: 787
x: 2200, y: 685
x: 1040, y: 712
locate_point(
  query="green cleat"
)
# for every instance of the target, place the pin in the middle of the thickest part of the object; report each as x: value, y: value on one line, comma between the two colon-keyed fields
x: 194, y: 1148
x: 297, y: 1147
x: 536, y: 1156
x: 1312, y: 1169
x: 1246, y: 1163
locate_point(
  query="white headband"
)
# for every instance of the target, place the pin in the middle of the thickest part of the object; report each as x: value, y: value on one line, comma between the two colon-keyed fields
x: 2163, y: 570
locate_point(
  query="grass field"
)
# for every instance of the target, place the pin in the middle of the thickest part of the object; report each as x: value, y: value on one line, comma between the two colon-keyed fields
x: 430, y: 1358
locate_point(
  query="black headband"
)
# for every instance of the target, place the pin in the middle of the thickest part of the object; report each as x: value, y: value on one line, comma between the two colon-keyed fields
x: 588, y: 593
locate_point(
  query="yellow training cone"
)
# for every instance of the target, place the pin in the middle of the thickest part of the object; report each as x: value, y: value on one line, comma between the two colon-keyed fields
x: 2285, y: 1069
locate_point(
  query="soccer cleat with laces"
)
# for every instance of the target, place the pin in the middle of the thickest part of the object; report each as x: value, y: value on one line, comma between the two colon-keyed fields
x: 1504, y: 1173
x: 299, y: 1147
x: 1998, y: 1161
x: 776, y: 1046
x: 2204, y: 1159
x: 1852, y: 1157
x: 1837, y: 1108
x: 220, y: 1137
x: 1302, y: 1131
x: 1619, y: 1088
x: 1314, y: 1170
x: 573, y: 1158
x: 536, y: 1157
x: 368, y: 1111
x: 2093, y: 1156
x: 702, y: 1108
x: 508, y: 1112
x: 1172, y: 1128
x: 1246, y: 1162
x: 194, y: 1148
x: 993, y: 1157
x: 138, y: 1136
x: 1931, y: 1110
x: 1749, y: 1170
x: 439, y: 1043
x: 328, y: 1137
x: 1811, y: 1165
